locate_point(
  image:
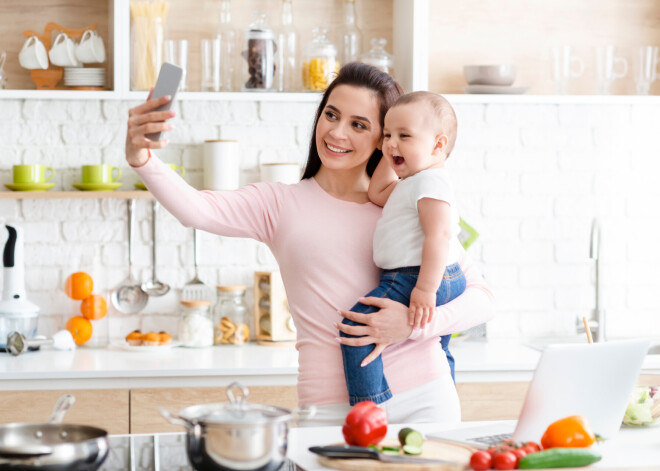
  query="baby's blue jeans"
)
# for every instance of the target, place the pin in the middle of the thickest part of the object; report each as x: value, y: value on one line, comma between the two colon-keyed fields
x: 368, y: 383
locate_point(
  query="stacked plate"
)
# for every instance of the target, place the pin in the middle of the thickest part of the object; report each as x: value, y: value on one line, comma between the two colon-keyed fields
x: 84, y: 76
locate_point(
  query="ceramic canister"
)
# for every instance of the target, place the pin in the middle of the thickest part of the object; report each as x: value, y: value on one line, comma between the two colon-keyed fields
x: 221, y: 165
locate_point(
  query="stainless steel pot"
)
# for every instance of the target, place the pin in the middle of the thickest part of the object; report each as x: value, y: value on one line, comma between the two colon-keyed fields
x: 235, y: 435
x: 52, y: 446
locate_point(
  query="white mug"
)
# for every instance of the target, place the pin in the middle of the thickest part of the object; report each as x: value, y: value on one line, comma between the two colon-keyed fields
x: 63, y: 52
x: 33, y: 55
x: 91, y: 48
x: 563, y: 67
x: 606, y: 62
x: 645, y: 64
x: 221, y: 165
x: 288, y: 172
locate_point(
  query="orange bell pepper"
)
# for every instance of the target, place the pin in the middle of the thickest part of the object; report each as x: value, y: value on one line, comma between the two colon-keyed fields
x: 569, y: 432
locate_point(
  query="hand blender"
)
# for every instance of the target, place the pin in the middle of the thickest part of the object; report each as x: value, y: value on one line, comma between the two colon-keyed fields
x: 17, y: 314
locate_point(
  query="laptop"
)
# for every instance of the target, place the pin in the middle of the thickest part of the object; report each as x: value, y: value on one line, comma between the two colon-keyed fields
x: 592, y: 380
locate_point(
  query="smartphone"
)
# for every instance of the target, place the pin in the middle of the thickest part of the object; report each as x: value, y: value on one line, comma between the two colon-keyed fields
x: 168, y: 82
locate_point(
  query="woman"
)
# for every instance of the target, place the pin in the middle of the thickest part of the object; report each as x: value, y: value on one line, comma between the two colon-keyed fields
x: 320, y: 231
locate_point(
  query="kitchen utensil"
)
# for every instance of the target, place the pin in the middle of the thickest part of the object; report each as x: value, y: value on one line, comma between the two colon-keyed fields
x: 128, y: 297
x: 63, y: 51
x: 91, y: 48
x: 195, y: 288
x: 563, y: 67
x: 154, y: 287
x: 235, y: 435
x: 606, y: 62
x: 17, y: 343
x: 33, y: 54
x: 52, y: 445
x: 645, y: 65
x: 358, y: 452
x: 16, y: 312
x: 502, y: 75
x: 586, y: 329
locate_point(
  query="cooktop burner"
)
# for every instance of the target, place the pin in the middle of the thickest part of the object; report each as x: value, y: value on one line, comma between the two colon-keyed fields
x: 154, y: 452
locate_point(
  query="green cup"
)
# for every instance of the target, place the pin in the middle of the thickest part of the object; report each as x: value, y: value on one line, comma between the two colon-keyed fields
x: 32, y: 173
x: 100, y: 173
x: 178, y: 169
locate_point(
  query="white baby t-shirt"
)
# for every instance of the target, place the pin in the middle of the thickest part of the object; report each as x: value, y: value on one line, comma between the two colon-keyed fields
x: 399, y: 237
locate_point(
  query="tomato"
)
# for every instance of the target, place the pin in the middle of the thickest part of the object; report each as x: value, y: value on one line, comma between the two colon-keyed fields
x: 520, y: 453
x: 481, y: 460
x: 506, y: 460
x: 493, y: 450
x: 366, y: 424
x: 528, y: 449
x: 534, y: 445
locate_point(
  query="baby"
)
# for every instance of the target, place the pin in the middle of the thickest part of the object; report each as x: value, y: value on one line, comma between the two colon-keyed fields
x: 415, y: 241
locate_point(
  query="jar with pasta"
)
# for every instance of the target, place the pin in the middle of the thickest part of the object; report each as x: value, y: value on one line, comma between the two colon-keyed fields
x: 320, y: 64
x: 231, y: 316
x: 147, y: 40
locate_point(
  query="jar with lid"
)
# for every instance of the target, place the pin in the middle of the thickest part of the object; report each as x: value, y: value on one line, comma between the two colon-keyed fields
x: 231, y: 316
x: 259, y: 54
x: 378, y: 56
x: 320, y: 64
x: 196, y: 326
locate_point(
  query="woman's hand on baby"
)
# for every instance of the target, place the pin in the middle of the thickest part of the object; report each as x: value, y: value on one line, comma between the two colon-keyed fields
x: 387, y: 326
x: 422, y: 307
x: 144, y: 120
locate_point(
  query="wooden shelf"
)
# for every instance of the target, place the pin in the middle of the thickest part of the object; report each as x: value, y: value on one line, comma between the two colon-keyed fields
x: 22, y: 195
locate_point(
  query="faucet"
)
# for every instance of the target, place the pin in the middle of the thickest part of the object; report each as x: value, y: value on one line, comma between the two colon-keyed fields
x: 597, y: 324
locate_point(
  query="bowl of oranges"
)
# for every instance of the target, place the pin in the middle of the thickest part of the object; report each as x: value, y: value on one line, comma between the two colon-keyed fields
x: 92, y: 310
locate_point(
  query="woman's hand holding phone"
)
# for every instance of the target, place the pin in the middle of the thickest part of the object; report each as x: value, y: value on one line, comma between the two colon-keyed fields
x: 144, y: 120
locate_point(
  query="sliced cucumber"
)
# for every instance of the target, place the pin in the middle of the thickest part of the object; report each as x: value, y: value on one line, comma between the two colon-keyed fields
x: 412, y: 450
x: 391, y: 448
x: 409, y: 436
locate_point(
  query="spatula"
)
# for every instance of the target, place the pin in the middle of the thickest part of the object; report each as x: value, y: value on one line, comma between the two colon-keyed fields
x: 195, y: 289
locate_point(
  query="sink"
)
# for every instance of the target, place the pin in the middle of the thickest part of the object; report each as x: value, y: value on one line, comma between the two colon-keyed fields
x: 541, y: 343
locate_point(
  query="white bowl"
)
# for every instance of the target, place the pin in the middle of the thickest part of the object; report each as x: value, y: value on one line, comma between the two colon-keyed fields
x: 490, y: 74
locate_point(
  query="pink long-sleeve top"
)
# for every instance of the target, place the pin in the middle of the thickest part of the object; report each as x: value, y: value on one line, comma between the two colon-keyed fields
x: 323, y: 246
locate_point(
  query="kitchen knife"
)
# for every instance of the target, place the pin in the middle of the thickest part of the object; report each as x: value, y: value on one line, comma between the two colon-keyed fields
x: 358, y: 452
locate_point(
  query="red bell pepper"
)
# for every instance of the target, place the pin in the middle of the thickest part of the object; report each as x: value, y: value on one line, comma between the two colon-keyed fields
x: 366, y: 424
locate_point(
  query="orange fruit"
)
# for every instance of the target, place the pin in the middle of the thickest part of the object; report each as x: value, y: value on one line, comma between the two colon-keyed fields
x: 79, y: 285
x: 80, y: 328
x: 94, y: 307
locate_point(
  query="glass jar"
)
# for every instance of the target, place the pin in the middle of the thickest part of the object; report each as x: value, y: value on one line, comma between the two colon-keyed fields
x: 228, y: 45
x: 147, y: 41
x: 288, y: 52
x: 351, y: 37
x: 231, y: 316
x: 196, y: 326
x: 259, y: 54
x: 378, y: 56
x: 320, y: 64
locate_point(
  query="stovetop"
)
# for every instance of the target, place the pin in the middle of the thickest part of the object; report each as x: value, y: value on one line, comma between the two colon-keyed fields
x: 154, y: 452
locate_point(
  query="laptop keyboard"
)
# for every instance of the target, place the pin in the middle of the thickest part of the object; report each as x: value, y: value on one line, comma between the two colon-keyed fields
x: 491, y: 439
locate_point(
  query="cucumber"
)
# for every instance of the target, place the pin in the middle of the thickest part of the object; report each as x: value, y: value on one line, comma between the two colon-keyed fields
x: 390, y: 450
x: 409, y: 436
x: 412, y: 450
x: 559, y: 458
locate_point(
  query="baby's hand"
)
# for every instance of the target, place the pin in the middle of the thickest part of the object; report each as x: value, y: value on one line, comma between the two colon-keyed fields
x: 422, y: 307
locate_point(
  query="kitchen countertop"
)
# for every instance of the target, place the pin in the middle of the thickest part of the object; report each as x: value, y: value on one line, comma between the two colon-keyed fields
x: 631, y: 449
x: 107, y: 368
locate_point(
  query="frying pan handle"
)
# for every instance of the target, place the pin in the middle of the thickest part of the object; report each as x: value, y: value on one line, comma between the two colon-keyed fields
x: 26, y: 451
x: 62, y: 405
x: 174, y: 419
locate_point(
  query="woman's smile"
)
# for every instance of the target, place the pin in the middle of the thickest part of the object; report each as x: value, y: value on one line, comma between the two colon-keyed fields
x: 336, y: 149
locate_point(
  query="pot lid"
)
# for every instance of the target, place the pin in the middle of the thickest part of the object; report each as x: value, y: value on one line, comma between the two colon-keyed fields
x: 235, y: 412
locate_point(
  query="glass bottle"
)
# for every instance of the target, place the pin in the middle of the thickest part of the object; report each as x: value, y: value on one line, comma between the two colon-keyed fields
x: 288, y: 52
x: 319, y: 64
x: 259, y: 54
x: 231, y: 316
x: 379, y: 57
x: 351, y: 37
x: 196, y: 326
x: 228, y: 45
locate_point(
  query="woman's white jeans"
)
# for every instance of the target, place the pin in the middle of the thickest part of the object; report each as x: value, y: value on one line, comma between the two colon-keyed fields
x: 435, y: 401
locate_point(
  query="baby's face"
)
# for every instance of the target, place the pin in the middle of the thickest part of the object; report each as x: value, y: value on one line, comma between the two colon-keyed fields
x: 410, y: 138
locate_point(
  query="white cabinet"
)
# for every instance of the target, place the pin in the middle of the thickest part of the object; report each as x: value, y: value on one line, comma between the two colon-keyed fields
x: 403, y: 22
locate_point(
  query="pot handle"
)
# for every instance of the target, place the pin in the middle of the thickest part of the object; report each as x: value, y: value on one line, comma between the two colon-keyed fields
x: 174, y: 419
x: 307, y: 411
x: 29, y: 451
x: 62, y: 405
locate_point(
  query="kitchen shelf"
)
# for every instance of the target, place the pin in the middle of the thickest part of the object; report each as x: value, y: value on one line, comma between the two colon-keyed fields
x: 22, y: 195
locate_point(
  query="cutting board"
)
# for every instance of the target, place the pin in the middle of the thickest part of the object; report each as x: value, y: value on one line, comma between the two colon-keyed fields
x: 432, y: 449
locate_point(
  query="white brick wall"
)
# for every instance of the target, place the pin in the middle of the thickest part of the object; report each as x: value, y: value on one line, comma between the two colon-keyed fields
x: 530, y: 178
